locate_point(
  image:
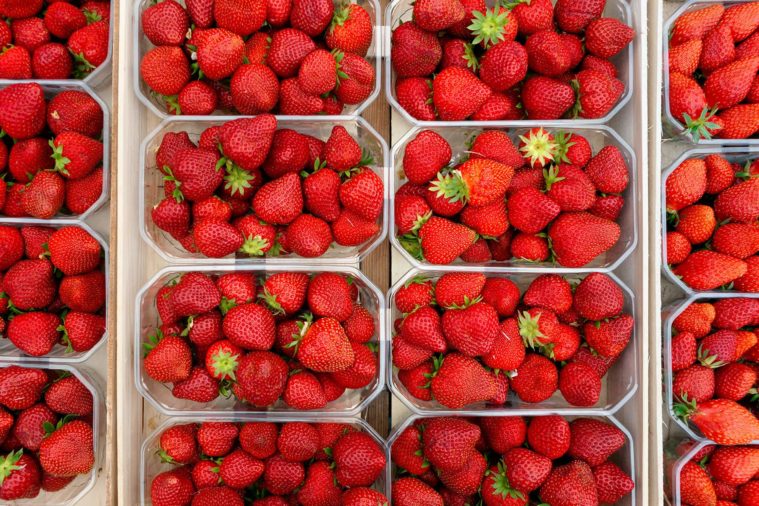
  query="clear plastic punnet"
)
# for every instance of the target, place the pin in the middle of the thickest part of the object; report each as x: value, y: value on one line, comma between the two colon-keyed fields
x: 151, y: 464
x: 351, y: 403
x: 733, y: 155
x: 58, y: 355
x: 83, y: 483
x: 624, y: 457
x: 672, y: 126
x: 51, y: 89
x: 618, y: 385
x: 598, y: 137
x: 157, y: 106
x: 400, y: 11
x: 151, y: 182
x: 668, y: 317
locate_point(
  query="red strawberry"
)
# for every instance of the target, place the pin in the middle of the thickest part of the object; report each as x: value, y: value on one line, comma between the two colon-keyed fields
x: 739, y: 122
x: 82, y: 194
x: 22, y: 110
x: 350, y: 30
x: 29, y: 284
x: 329, y: 294
x: 359, y: 496
x: 68, y: 450
x: 723, y: 421
x: 534, y: 17
x: 536, y: 379
x: 530, y: 211
x: 414, y: 94
x: 311, y: 16
x: 610, y: 337
x: 472, y: 330
x: 414, y: 492
x: 425, y: 155
x: 320, y: 486
x: 76, y: 155
x: 356, y: 78
x: 719, y: 173
x: 359, y: 460
x: 573, y: 17
x: 216, y: 239
x: 363, y: 194
x: 578, y: 238
x: 597, y: 93
x: 165, y: 24
x: 547, y: 53
x: 594, y: 441
x: 169, y: 360
x: 738, y: 203
x: 82, y: 331
x: 695, y: 484
x: 250, y: 326
x: 579, y: 384
x: 309, y: 236
x: 729, y: 85
x: 178, y: 444
x: 219, y: 51
x: 422, y: 328
x: 240, y: 470
x: 172, y: 487
x: 68, y: 395
x: 606, y: 37
x: 706, y: 270
x: 717, y: 50
x: 325, y: 347
x: 457, y: 94
x: 499, y: 106
x: 73, y: 110
x: 696, y: 23
x: 549, y: 291
x: 549, y: 436
x: 608, y: 170
x: 572, y: 483
x: 89, y: 45
x: 29, y: 428
x: 288, y: 48
x: 478, y: 182
x: 417, y: 292
x: 317, y: 74
x: 74, y: 251
x: 15, y: 63
x: 21, y: 476
x: 21, y: 387
x: 262, y: 376
x: 437, y: 15
x: 461, y: 381
x: 598, y: 297
x: 279, y: 201
x: 254, y: 88
x: 304, y: 391
x: 442, y: 241
x: 44, y: 196
x: 241, y: 17
x: 504, y: 65
x: 526, y: 470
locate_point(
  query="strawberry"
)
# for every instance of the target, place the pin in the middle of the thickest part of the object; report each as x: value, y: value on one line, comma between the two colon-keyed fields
x: 678, y: 248
x: 196, y: 98
x: 361, y: 496
x: 76, y: 155
x: 216, y: 239
x: 304, y: 392
x: 363, y: 194
x: 721, y: 420
x: 68, y: 450
x: 573, y: 17
x: 409, y: 491
x: 717, y: 50
x: 696, y: 223
x: 597, y: 93
x: 68, y: 395
x: 695, y: 485
x: 461, y: 381
x: 608, y: 170
x: 697, y: 318
x: 508, y: 351
x: 219, y: 51
x: 683, y: 350
x: 228, y: 15
x: 748, y: 493
x: 169, y: 360
x: 501, y: 293
x: 457, y: 290
x: 82, y: 194
x: 250, y: 326
x: 425, y: 155
x: 734, y: 381
x: 549, y: 436
x: 288, y: 48
x: 448, y: 441
x: 178, y: 444
x: 406, y: 451
x: 89, y: 45
x: 217, y: 439
x: 696, y: 23
x: 526, y: 470
x: 29, y: 284
x: 719, y: 174
x: 741, y: 19
x: 356, y: 78
x: 329, y: 294
x: 735, y: 313
x: 570, y: 187
x: 606, y: 37
x: 504, y: 65
x: 414, y: 94
x: 547, y: 53
x: 437, y: 15
x: 298, y: 441
x: 736, y: 239
x: 724, y: 346
x: 471, y: 330
x: 610, y: 337
x: 20, y: 476
x: 262, y: 377
x: 317, y: 73
x: 442, y: 241
x: 279, y: 201
x: 578, y: 238
x: 534, y: 17
x: 598, y: 297
x: 536, y: 380
x: 739, y: 122
x: 686, y: 184
x: 254, y: 89
x: 74, y: 251
x: 240, y: 470
x: 612, y: 483
x: 259, y: 439
x: 457, y: 94
x: 22, y: 110
x: 73, y: 110
x: 320, y: 486
x: 217, y: 495
x: 172, y: 487
x: 282, y: 476
x: 738, y: 203
x: 21, y: 387
x: 311, y: 16
x: 309, y: 236
x: 82, y: 331
x: 11, y: 246
x: 359, y: 460
x: 706, y: 270
x: 572, y: 483
x: 43, y: 197
x: 549, y: 291
x: 415, y: 293
x: 478, y: 182
x: 530, y: 211
x: 729, y: 85
x: 195, y: 293
x: 15, y: 63
x: 546, y: 98
x: 29, y: 427
x: 594, y: 441
x: 422, y: 328
x: 165, y: 24
x: 579, y: 384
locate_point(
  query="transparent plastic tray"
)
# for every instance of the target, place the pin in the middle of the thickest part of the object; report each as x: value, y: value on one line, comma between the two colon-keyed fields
x: 151, y: 183
x: 402, y: 11
x: 598, y: 137
x: 51, y: 89
x: 672, y: 126
x: 624, y: 457
x: 732, y: 154
x: 58, y: 355
x: 142, y: 45
x: 351, y: 403
x: 618, y: 385
x: 668, y: 317
x: 83, y: 483
x: 151, y: 465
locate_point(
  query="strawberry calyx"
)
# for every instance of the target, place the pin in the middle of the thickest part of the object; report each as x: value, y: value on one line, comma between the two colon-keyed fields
x: 8, y: 464
x: 489, y: 28
x: 224, y: 363
x: 539, y: 146
x: 563, y: 143
x: 226, y: 304
x: 91, y: 16
x: 304, y: 323
x: 82, y: 67
x: 685, y: 408
x: 339, y: 55
x: 529, y: 329
x: 172, y: 104
x: 467, y: 303
x: 707, y: 360
x: 701, y: 127
x: 255, y: 246
x: 270, y: 299
x: 501, y: 485
x: 551, y: 176
x: 49, y: 428
x: 437, y: 363
x: 318, y: 165
x: 60, y: 160
x: 340, y: 17
x: 471, y: 59
x: 746, y: 174
x: 176, y: 192
x: 451, y: 186
x: 237, y: 179
x: 412, y: 244
x: 152, y: 342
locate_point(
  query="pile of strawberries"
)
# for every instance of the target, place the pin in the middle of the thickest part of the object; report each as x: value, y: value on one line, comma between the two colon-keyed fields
x: 50, y: 152
x: 467, y: 339
x: 713, y: 65
x: 549, y: 199
x: 722, y: 475
x: 226, y: 463
x: 290, y: 336
x: 508, y: 461
x: 295, y: 57
x: 712, y: 212
x: 715, y: 363
x: 459, y: 59
x: 249, y: 189
x: 52, y: 289
x: 47, y: 39
x: 46, y: 436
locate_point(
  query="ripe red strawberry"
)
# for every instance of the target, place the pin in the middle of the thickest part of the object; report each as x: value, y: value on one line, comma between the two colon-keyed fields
x: 21, y: 387
x: 449, y: 441
x: 259, y: 439
x: 570, y: 188
x: 165, y: 24
x: 748, y: 493
x: 172, y: 487
x: 74, y: 251
x: 409, y: 491
x: 356, y: 78
x: 250, y: 326
x: 612, y: 483
x: 321, y: 190
x: 89, y: 45
x: 549, y: 436
x: 706, y: 270
x: 417, y: 292
x: 219, y: 52
x: 578, y: 238
x: 598, y: 297
x: 44, y: 196
x: 457, y: 94
x: 471, y: 330
x: 172, y: 216
x: 456, y: 290
x: 437, y: 15
x: 407, y: 452
x: 461, y: 381
x: 579, y: 384
x: 194, y: 294
x: 12, y: 249
x: 504, y: 65
x: 82, y: 194
x: 610, y: 337
x: 240, y: 470
x: 686, y: 184
x: 536, y: 380
x: 547, y: 53
x: 724, y: 346
x: 606, y: 37
x: 325, y: 347
x: 169, y: 360
x: 21, y: 476
x: 442, y: 241
x: 594, y: 441
x: 608, y: 170
x: 729, y: 85
x: 546, y: 98
x: 530, y: 211
x: 216, y: 239
x: 359, y: 496
x: 414, y: 94
x: 526, y: 470
x: 683, y: 351
x: 196, y: 98
x: 261, y: 376
x: 549, y: 291
x: 178, y: 444
x: 734, y: 381
x: 723, y: 421
x: 739, y: 122
x: 597, y: 93
x: 317, y: 74
x: 68, y: 395
x: 738, y: 203
x: 294, y: 101
x: 298, y: 441
x: 304, y: 392
x: 508, y: 351
x: 279, y: 201
x: 282, y: 476
x: 718, y: 50
x: 29, y: 427
x: 684, y: 58
x: 534, y: 17
x: 351, y: 229
x: 76, y: 155
x: 329, y: 294
x: 73, y: 110
x: 735, y: 313
x: 736, y: 239
x: 22, y: 110
x: 425, y: 155
x: 15, y: 63
x: 573, y: 17
x: 350, y: 30
x: 309, y: 236
x: 29, y: 284
x: 697, y: 318
x: 320, y: 486
x: 68, y: 450
x: 696, y: 23
x: 359, y: 460
x: 82, y: 331
x: 288, y: 48
x: 695, y: 485
x: 499, y: 106
x: 422, y: 328
x: 311, y: 16
x: 502, y: 294
x: 363, y: 194
x: 696, y: 223
x: 254, y: 88
x: 478, y: 182
x: 241, y: 17
x: 572, y: 483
